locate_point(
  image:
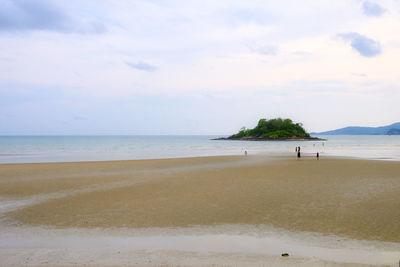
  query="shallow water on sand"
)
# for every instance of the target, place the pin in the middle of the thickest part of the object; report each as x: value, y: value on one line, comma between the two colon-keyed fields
x: 243, y: 239
x: 24, y: 149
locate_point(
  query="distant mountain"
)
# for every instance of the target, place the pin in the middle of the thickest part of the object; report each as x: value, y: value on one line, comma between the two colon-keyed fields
x: 393, y: 129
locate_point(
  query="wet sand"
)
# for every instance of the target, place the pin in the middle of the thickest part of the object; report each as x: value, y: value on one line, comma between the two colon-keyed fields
x: 353, y: 198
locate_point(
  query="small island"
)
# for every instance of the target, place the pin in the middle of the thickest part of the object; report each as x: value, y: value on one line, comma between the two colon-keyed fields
x: 273, y: 130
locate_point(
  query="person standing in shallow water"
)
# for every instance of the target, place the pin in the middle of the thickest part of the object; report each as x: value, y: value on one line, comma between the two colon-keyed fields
x: 318, y: 155
x: 298, y: 153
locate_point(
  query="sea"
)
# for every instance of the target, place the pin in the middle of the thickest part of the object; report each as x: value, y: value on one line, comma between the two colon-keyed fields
x: 35, y: 149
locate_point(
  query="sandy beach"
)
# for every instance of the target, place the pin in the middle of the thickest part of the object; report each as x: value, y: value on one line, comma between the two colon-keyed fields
x: 345, y: 198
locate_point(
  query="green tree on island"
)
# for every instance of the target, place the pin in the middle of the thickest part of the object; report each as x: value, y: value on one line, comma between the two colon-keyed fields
x: 274, y: 128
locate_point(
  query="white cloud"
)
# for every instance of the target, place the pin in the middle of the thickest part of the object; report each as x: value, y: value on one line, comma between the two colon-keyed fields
x: 27, y: 15
x: 373, y: 9
x: 140, y: 65
x: 364, y: 45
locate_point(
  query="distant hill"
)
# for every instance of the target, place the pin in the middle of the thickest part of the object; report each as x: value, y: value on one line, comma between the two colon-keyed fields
x: 393, y: 129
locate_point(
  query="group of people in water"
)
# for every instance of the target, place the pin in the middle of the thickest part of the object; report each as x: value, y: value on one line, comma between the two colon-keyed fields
x: 298, y: 148
x: 298, y: 152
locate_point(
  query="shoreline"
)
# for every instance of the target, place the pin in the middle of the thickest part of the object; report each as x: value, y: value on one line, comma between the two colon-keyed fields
x: 133, y: 148
x: 271, y: 155
x: 319, y: 205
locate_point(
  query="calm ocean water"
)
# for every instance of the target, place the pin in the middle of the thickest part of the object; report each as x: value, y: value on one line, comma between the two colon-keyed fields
x: 22, y: 149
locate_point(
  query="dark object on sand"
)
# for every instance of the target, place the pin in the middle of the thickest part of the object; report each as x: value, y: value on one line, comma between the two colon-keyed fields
x: 285, y: 254
x: 317, y: 155
x: 298, y: 154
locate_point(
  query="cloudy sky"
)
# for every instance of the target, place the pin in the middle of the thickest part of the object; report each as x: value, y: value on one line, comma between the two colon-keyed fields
x: 196, y: 67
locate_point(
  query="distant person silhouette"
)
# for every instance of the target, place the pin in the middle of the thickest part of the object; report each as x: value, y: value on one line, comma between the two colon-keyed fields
x: 318, y: 155
x: 298, y: 153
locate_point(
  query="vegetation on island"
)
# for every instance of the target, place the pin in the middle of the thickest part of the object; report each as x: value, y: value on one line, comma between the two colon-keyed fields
x: 273, y: 129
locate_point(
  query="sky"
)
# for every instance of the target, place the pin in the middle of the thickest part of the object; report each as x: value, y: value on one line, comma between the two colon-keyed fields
x: 80, y: 67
